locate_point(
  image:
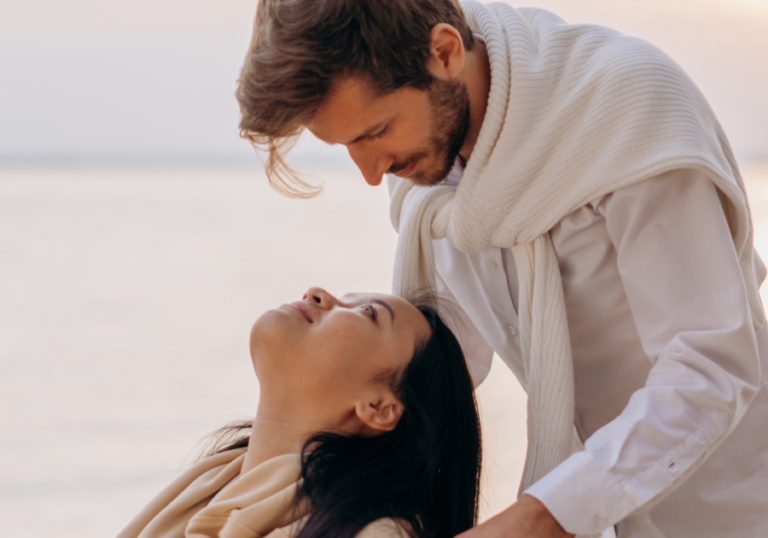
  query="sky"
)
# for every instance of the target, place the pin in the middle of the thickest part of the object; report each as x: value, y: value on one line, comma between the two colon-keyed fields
x: 153, y: 80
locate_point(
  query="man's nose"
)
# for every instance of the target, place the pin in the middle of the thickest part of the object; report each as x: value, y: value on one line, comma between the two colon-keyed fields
x: 320, y: 297
x: 372, y: 164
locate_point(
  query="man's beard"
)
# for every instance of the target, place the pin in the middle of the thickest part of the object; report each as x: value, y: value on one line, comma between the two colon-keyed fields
x: 449, y: 119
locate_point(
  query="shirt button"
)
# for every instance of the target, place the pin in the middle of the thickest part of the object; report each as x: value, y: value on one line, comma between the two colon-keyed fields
x: 600, y: 521
x: 493, y: 265
x: 512, y: 329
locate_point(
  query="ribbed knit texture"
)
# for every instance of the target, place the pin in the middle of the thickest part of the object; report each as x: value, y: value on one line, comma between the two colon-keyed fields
x: 574, y: 112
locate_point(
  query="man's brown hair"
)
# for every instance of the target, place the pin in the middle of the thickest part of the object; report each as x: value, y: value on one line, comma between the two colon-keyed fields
x: 300, y: 47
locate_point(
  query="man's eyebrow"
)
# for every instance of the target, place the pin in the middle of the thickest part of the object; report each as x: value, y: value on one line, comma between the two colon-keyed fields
x: 385, y: 305
x: 368, y: 132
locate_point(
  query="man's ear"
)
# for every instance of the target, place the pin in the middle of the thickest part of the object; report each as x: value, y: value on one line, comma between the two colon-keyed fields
x: 379, y: 411
x: 447, y: 52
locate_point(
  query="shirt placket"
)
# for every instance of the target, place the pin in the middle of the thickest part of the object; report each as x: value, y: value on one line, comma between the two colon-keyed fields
x: 498, y: 287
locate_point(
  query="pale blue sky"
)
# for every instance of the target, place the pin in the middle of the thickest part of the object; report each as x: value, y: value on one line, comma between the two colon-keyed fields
x: 153, y: 79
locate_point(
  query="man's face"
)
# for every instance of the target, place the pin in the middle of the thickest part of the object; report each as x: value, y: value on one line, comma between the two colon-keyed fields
x: 410, y: 133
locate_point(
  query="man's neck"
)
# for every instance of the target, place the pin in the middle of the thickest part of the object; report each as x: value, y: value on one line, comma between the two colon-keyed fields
x: 477, y: 76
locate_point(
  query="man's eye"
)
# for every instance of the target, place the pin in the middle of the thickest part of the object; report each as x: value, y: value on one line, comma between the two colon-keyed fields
x: 379, y: 134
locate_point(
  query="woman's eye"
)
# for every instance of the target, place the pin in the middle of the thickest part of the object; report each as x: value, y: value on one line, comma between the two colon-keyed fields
x: 371, y: 311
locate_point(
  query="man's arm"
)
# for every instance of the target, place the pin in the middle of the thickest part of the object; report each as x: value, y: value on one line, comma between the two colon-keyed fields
x: 682, y: 279
x: 528, y: 517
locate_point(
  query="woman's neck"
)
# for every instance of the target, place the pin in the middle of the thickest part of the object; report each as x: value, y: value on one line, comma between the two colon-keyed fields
x: 281, y: 428
x: 272, y: 437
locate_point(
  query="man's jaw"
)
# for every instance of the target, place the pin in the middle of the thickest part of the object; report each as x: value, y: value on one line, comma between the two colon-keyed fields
x: 427, y: 175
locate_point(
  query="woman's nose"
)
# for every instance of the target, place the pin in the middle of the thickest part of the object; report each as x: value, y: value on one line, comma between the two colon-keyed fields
x: 320, y: 297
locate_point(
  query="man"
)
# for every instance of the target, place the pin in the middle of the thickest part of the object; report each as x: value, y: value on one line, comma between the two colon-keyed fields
x: 572, y: 191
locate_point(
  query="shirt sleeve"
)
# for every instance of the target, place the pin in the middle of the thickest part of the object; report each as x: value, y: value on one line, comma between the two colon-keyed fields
x: 685, y: 289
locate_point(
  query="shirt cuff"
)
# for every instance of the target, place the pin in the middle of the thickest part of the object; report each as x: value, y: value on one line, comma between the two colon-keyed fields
x: 583, y: 496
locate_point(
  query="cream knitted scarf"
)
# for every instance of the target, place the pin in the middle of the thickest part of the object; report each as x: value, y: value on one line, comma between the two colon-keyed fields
x: 212, y: 498
x: 574, y: 112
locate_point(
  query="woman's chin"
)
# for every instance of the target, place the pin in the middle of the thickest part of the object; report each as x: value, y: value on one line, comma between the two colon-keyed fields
x: 274, y: 334
x: 270, y: 319
x: 265, y: 329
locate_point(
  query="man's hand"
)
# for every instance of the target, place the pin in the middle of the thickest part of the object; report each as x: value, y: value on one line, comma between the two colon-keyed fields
x: 527, y: 518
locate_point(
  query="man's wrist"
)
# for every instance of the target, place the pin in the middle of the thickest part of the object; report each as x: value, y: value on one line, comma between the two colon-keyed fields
x: 540, y: 515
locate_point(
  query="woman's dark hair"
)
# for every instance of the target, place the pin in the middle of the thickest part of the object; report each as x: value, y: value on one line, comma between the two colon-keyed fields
x: 300, y: 47
x: 425, y: 472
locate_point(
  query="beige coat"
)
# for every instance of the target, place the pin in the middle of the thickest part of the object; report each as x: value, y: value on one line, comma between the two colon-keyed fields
x: 213, y: 500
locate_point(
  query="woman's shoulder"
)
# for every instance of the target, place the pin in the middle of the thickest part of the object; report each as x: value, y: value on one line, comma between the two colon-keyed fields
x: 387, y: 527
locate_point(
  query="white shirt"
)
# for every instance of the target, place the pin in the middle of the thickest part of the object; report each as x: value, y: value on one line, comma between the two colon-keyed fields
x: 664, y: 357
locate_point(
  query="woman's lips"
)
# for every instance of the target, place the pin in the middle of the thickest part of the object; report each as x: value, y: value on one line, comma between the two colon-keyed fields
x: 304, y: 310
x: 408, y: 171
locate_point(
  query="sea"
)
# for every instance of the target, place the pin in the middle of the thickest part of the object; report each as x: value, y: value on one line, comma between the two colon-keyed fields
x: 126, y: 299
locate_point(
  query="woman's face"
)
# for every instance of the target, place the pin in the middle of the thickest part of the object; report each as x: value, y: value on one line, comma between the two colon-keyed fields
x: 314, y: 358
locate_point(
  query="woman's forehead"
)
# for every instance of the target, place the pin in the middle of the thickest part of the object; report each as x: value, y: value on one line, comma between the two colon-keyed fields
x: 356, y: 297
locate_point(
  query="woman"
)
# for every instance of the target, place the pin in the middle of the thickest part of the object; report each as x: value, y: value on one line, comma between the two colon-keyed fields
x: 384, y: 382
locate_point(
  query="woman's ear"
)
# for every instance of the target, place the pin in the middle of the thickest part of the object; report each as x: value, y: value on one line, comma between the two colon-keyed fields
x: 447, y: 52
x: 379, y: 411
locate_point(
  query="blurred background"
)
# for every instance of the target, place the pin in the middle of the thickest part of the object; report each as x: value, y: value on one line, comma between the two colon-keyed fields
x: 139, y: 239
